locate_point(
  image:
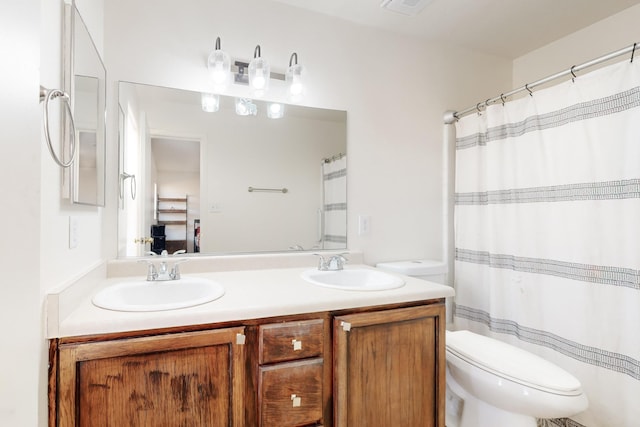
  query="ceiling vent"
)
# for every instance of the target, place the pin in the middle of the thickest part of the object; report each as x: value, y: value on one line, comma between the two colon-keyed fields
x: 405, y: 7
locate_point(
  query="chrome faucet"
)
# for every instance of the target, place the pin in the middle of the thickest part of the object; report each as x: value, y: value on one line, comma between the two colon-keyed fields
x: 163, y: 272
x: 334, y: 263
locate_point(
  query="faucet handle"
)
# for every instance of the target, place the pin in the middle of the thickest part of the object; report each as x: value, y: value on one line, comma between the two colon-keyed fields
x: 175, y: 270
x: 336, y: 262
x: 152, y: 272
x: 181, y: 251
x: 322, y: 263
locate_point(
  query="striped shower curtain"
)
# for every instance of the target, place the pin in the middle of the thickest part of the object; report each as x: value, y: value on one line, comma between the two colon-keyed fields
x: 334, y: 203
x: 547, y: 233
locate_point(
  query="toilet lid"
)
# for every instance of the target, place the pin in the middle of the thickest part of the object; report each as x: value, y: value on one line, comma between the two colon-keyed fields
x: 511, y: 362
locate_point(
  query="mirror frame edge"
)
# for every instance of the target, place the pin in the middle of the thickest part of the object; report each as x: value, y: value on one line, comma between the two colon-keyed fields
x: 69, y: 176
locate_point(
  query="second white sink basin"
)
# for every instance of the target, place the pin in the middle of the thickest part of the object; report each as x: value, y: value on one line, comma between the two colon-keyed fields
x: 354, y: 279
x: 143, y: 295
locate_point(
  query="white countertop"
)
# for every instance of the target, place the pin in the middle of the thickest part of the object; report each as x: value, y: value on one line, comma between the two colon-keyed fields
x: 250, y: 294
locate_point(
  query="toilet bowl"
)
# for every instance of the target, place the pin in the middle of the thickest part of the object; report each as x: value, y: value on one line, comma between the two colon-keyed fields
x: 502, y: 385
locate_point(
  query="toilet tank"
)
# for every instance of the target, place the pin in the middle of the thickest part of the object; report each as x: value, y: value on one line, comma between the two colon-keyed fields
x: 426, y: 269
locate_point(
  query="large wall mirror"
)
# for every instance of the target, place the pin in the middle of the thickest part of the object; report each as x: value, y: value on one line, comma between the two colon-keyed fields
x: 228, y: 181
x: 84, y: 80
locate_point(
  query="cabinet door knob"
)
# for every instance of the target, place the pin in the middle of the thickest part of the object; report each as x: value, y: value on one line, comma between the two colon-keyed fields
x: 296, y: 401
x: 297, y: 345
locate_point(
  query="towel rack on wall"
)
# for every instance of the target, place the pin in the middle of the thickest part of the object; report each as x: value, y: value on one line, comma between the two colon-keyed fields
x: 46, y: 95
x: 268, y: 190
x: 123, y: 177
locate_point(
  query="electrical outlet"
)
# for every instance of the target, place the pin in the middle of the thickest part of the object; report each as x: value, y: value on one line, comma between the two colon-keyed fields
x: 73, y: 232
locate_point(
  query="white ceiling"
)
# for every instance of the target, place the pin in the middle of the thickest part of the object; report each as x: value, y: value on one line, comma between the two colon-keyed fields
x: 507, y: 28
x: 176, y: 155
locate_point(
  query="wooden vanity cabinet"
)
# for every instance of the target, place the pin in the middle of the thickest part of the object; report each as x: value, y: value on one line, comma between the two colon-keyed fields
x: 183, y: 379
x: 378, y: 366
x: 389, y: 368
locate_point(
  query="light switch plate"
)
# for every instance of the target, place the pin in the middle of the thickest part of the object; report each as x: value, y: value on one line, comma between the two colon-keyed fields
x: 364, y: 224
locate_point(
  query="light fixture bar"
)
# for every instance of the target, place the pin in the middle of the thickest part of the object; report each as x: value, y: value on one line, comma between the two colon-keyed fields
x: 240, y: 71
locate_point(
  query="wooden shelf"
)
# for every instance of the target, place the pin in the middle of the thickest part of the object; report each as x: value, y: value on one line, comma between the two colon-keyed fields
x: 172, y: 199
x: 180, y: 211
x: 172, y: 212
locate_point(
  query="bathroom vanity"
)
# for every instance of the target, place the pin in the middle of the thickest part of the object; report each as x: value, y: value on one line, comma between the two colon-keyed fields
x: 274, y: 351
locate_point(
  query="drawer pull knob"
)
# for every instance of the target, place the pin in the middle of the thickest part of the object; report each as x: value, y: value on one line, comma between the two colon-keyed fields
x: 297, y: 345
x: 296, y: 401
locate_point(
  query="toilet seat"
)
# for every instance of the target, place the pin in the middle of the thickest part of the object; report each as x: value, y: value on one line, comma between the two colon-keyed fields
x: 511, y: 363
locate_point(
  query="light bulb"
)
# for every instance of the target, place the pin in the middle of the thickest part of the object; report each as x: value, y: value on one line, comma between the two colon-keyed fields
x: 275, y: 111
x: 258, y: 81
x: 210, y: 102
x: 295, y: 88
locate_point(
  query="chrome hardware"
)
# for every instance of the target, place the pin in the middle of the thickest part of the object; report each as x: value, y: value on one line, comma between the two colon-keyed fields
x: 334, y: 263
x: 162, y: 272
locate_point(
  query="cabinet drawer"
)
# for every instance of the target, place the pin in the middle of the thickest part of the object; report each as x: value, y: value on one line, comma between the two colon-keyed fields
x: 281, y: 342
x: 291, y: 393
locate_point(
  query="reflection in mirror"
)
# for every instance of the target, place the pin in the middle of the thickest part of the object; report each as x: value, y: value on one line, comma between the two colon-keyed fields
x: 85, y: 78
x: 195, y: 171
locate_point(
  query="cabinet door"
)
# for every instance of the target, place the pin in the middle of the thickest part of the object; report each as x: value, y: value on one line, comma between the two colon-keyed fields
x: 188, y: 379
x: 390, y: 368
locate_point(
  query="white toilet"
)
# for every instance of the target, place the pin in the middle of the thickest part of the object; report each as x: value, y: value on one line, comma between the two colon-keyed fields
x: 495, y: 384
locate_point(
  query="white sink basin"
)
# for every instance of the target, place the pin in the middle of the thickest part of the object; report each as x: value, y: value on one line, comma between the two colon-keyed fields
x: 353, y: 279
x: 143, y: 295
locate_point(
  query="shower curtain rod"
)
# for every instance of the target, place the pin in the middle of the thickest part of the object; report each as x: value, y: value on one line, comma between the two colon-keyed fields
x: 451, y: 116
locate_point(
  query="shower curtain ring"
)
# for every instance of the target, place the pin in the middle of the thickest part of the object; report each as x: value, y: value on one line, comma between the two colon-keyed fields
x: 478, y: 108
x: 633, y: 51
x: 528, y: 90
x: 573, y: 79
x: 502, y: 98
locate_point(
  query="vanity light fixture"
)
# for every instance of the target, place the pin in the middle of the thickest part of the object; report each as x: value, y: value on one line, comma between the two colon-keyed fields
x: 259, y: 73
x: 245, y: 107
x: 210, y: 102
x: 219, y: 65
x: 275, y: 110
x: 255, y: 73
x: 295, y: 84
